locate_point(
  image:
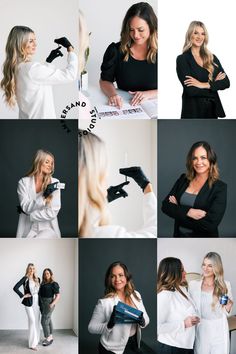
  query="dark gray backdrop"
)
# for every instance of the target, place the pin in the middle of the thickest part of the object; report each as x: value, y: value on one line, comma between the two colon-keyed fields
x: 95, y: 256
x: 175, y: 137
x: 19, y: 141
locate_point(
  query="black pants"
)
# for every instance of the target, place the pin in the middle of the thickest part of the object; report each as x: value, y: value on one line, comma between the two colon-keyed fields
x: 130, y: 348
x: 167, y: 349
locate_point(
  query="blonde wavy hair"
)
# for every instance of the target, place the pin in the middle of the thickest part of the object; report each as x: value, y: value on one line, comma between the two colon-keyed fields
x: 15, y: 54
x: 145, y: 12
x: 92, y: 173
x: 35, y: 278
x: 206, y: 55
x: 83, y: 42
x: 39, y: 158
x: 213, y: 175
x: 220, y: 287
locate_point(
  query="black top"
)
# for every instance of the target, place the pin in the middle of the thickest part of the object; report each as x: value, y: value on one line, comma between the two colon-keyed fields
x: 196, y: 102
x: 49, y: 289
x: 212, y: 200
x: 28, y: 301
x: 131, y: 75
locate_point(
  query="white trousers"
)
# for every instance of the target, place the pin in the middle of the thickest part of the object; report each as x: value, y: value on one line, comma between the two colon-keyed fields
x: 33, y: 315
x: 210, y: 337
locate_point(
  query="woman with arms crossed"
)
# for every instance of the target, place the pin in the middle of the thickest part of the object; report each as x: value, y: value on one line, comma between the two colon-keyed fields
x: 212, y: 334
x: 30, y: 283
x: 39, y: 199
x: 30, y: 83
x: 48, y: 297
x: 201, y: 75
x: 118, y: 338
x: 132, y: 62
x: 197, y: 201
x: 176, y: 310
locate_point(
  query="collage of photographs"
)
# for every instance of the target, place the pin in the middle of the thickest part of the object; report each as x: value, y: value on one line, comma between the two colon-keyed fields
x: 117, y: 133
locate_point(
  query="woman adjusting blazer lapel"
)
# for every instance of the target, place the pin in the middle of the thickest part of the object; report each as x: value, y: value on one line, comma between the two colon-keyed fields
x: 197, y: 201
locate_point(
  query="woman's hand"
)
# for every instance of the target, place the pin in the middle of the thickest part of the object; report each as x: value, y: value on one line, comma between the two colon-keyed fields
x: 26, y: 296
x: 196, y: 214
x: 229, y: 305
x: 115, y: 101
x: 191, y: 321
x: 51, y: 305
x: 140, y: 96
x: 191, y: 81
x: 173, y: 200
x: 220, y: 76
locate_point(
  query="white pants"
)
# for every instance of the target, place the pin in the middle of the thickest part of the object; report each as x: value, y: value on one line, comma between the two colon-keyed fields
x: 210, y: 338
x: 46, y: 232
x: 33, y: 315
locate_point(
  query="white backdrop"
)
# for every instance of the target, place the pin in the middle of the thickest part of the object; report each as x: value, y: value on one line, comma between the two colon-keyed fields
x: 136, y: 139
x: 50, y: 20
x: 174, y: 19
x: 59, y: 255
x: 104, y: 20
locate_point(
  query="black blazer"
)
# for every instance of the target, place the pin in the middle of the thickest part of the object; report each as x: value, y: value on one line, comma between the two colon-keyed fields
x: 196, y: 102
x: 28, y: 301
x: 212, y: 200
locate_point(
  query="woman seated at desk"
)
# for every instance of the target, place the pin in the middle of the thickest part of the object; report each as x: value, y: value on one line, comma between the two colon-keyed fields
x: 132, y: 62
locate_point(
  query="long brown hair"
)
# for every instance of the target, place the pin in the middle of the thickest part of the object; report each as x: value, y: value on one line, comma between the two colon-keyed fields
x: 129, y: 287
x: 44, y: 278
x: 212, y: 158
x: 169, y: 275
x: 145, y: 12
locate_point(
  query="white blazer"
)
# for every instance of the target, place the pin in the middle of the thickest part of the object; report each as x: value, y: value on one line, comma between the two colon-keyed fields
x: 173, y: 308
x: 33, y: 86
x: 195, y: 292
x: 116, y: 338
x: 35, y: 208
x: 149, y: 229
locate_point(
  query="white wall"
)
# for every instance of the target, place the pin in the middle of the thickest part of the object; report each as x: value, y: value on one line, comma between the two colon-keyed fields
x: 50, y: 20
x: 174, y: 19
x: 138, y: 139
x: 104, y: 21
x: 59, y: 255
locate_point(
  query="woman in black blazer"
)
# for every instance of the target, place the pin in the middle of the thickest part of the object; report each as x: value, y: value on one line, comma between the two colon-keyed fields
x: 201, y: 75
x: 30, y: 283
x: 197, y: 200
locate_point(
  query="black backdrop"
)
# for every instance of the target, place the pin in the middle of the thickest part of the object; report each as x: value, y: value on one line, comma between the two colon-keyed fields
x: 95, y: 255
x: 175, y: 137
x: 19, y: 140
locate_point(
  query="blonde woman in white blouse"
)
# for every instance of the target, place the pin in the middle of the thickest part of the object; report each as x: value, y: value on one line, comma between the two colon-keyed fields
x: 212, y: 334
x: 177, y: 314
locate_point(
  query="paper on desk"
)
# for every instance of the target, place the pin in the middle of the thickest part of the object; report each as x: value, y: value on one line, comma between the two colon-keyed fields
x: 127, y: 112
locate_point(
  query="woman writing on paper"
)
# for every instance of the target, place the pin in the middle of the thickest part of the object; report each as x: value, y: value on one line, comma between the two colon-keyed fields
x: 213, y: 298
x: 94, y: 193
x: 197, y: 201
x: 201, y: 75
x: 40, y: 199
x: 30, y: 83
x: 132, y: 63
x: 177, y: 313
x: 123, y: 338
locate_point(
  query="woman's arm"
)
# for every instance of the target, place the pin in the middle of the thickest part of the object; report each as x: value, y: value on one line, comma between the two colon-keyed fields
x: 18, y: 285
x: 47, y: 74
x: 27, y: 203
x: 221, y: 81
x: 109, y: 90
x: 98, y: 322
x: 55, y: 300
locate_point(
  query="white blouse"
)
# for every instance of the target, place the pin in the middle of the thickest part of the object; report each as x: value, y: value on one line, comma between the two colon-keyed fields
x: 173, y: 309
x: 207, y: 311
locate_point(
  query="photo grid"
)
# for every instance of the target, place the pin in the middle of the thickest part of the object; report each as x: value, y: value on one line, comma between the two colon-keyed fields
x: 117, y: 230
